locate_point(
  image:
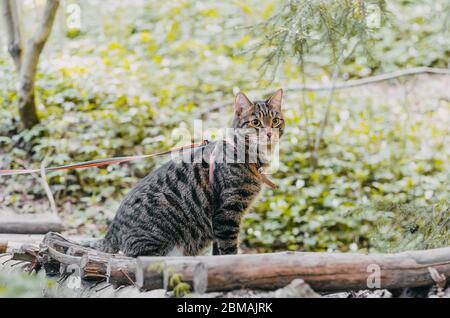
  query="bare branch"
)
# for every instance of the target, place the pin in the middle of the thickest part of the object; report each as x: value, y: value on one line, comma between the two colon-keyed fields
x: 46, y: 186
x: 349, y: 84
x: 13, y: 30
x: 324, y: 122
x: 372, y: 79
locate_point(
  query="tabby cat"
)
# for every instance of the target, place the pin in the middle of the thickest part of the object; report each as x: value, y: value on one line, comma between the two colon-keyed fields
x: 180, y: 209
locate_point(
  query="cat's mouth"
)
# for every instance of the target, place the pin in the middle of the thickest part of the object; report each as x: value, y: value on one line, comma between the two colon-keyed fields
x: 253, y: 137
x: 266, y: 141
x: 263, y: 140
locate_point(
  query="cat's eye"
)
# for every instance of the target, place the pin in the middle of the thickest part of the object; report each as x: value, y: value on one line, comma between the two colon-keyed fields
x: 256, y: 122
x: 276, y: 122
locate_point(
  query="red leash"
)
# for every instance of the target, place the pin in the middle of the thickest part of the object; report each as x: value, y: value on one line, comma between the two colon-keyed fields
x: 103, y: 162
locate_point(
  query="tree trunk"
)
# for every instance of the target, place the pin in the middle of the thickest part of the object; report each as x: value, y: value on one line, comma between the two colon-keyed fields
x: 26, y: 58
x: 27, y: 105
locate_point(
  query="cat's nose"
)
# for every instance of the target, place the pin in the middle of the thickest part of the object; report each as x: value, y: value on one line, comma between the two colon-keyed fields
x: 269, y: 135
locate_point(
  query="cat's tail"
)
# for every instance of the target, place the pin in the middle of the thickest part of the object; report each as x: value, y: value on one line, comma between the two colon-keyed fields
x: 108, y: 244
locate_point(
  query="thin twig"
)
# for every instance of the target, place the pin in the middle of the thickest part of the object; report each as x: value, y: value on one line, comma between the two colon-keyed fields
x: 5, y: 254
x: 63, y: 278
x: 45, y: 185
x: 104, y: 287
x: 306, y: 114
x: 18, y: 263
x: 349, y: 84
x: 42, y: 179
x: 128, y: 277
x: 372, y: 79
x: 324, y: 122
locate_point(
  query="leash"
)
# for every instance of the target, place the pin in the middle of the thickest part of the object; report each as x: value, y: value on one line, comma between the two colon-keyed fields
x: 103, y: 162
x: 118, y: 160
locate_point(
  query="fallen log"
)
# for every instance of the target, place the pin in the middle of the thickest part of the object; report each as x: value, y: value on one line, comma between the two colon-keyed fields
x: 30, y: 223
x: 3, y: 247
x: 93, y: 265
x: 322, y: 271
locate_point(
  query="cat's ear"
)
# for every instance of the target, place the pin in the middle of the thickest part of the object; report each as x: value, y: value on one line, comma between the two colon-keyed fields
x: 242, y: 104
x: 276, y: 99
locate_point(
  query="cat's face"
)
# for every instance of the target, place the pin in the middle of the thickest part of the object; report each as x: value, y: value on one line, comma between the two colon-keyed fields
x: 261, y: 121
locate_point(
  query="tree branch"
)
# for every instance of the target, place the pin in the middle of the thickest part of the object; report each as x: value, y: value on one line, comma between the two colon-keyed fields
x: 13, y: 30
x: 324, y: 122
x: 349, y: 84
x: 372, y: 79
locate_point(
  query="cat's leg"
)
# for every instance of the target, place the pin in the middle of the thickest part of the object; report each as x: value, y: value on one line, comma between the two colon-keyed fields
x: 176, y: 251
x: 143, y: 250
x: 226, y: 231
x: 135, y: 246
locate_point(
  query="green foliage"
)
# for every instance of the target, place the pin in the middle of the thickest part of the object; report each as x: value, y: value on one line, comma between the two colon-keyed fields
x: 23, y: 285
x: 381, y: 34
x: 180, y: 288
x: 301, y: 28
x: 371, y: 152
x: 119, y: 89
x: 409, y: 226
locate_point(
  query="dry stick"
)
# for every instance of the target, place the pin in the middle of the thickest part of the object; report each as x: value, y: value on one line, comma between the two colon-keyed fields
x: 45, y: 185
x: 121, y: 271
x: 324, y: 122
x: 305, y: 110
x: 5, y: 254
x: 130, y: 280
x: 42, y: 179
x: 372, y: 79
x: 351, y: 83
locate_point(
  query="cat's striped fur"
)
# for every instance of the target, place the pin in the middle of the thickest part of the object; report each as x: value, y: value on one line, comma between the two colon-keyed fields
x: 175, y: 208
